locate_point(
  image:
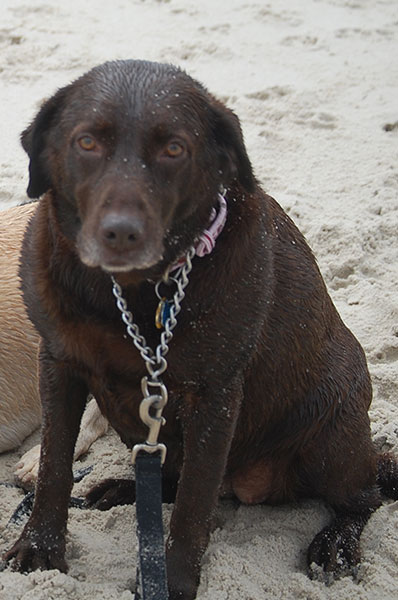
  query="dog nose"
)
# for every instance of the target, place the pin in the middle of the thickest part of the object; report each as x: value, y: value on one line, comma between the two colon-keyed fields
x: 121, y: 232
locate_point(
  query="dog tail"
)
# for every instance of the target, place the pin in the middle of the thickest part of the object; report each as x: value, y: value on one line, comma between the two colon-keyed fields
x: 387, y: 475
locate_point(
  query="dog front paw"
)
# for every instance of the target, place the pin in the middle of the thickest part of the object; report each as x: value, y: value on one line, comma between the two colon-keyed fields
x: 183, y: 577
x: 183, y: 591
x: 33, y: 551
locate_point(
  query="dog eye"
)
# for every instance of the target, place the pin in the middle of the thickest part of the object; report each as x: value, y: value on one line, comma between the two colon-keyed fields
x: 87, y: 143
x: 174, y: 150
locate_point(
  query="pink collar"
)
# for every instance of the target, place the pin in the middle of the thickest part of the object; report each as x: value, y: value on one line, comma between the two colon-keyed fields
x: 207, y: 239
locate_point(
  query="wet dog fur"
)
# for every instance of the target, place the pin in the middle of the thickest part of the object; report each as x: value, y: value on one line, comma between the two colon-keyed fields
x: 268, y: 389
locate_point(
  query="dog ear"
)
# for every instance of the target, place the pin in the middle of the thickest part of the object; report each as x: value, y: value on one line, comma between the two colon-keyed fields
x: 235, y: 163
x: 33, y: 140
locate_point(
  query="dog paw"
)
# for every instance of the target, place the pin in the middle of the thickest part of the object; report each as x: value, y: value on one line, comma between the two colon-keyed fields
x: 111, y: 492
x: 333, y: 553
x: 182, y: 594
x: 181, y: 585
x: 33, y: 551
x: 26, y: 470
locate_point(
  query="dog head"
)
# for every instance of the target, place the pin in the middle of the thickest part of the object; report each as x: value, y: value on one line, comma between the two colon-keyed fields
x: 134, y: 154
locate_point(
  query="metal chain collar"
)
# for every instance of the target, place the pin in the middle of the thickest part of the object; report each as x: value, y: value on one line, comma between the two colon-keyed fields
x: 155, y: 361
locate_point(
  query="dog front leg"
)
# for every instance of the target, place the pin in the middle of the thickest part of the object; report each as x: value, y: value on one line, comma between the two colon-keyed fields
x: 42, y: 542
x: 209, y: 425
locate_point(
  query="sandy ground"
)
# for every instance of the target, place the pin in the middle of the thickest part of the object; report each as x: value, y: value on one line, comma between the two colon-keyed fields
x: 314, y: 82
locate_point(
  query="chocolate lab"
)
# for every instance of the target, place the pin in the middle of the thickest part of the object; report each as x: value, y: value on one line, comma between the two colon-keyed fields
x: 268, y: 389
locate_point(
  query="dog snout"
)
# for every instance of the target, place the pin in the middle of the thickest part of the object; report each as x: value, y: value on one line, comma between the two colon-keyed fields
x: 121, y: 232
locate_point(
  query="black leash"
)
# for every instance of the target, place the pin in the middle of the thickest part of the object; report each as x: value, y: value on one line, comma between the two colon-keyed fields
x: 152, y: 578
x: 24, y: 508
x: 151, y: 570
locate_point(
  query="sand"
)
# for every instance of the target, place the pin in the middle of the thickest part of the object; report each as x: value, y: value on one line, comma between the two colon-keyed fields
x: 314, y: 82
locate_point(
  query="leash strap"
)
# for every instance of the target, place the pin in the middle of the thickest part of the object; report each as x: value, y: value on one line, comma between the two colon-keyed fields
x: 151, y: 569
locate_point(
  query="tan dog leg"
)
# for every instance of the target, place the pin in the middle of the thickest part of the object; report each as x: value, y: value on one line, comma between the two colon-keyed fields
x: 93, y: 426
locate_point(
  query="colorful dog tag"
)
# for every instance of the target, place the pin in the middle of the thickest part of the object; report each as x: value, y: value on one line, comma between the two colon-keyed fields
x: 162, y: 313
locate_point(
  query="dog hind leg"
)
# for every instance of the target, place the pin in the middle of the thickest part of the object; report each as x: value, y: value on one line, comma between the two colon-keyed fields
x: 336, y: 548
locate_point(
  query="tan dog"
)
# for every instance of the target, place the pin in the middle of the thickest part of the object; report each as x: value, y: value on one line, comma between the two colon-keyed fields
x: 20, y: 412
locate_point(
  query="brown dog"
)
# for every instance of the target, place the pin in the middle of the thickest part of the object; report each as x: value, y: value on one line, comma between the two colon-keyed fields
x: 269, y: 390
x: 20, y: 412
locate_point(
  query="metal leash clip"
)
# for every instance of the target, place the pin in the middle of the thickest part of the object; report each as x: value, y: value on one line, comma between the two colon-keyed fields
x: 152, y: 401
